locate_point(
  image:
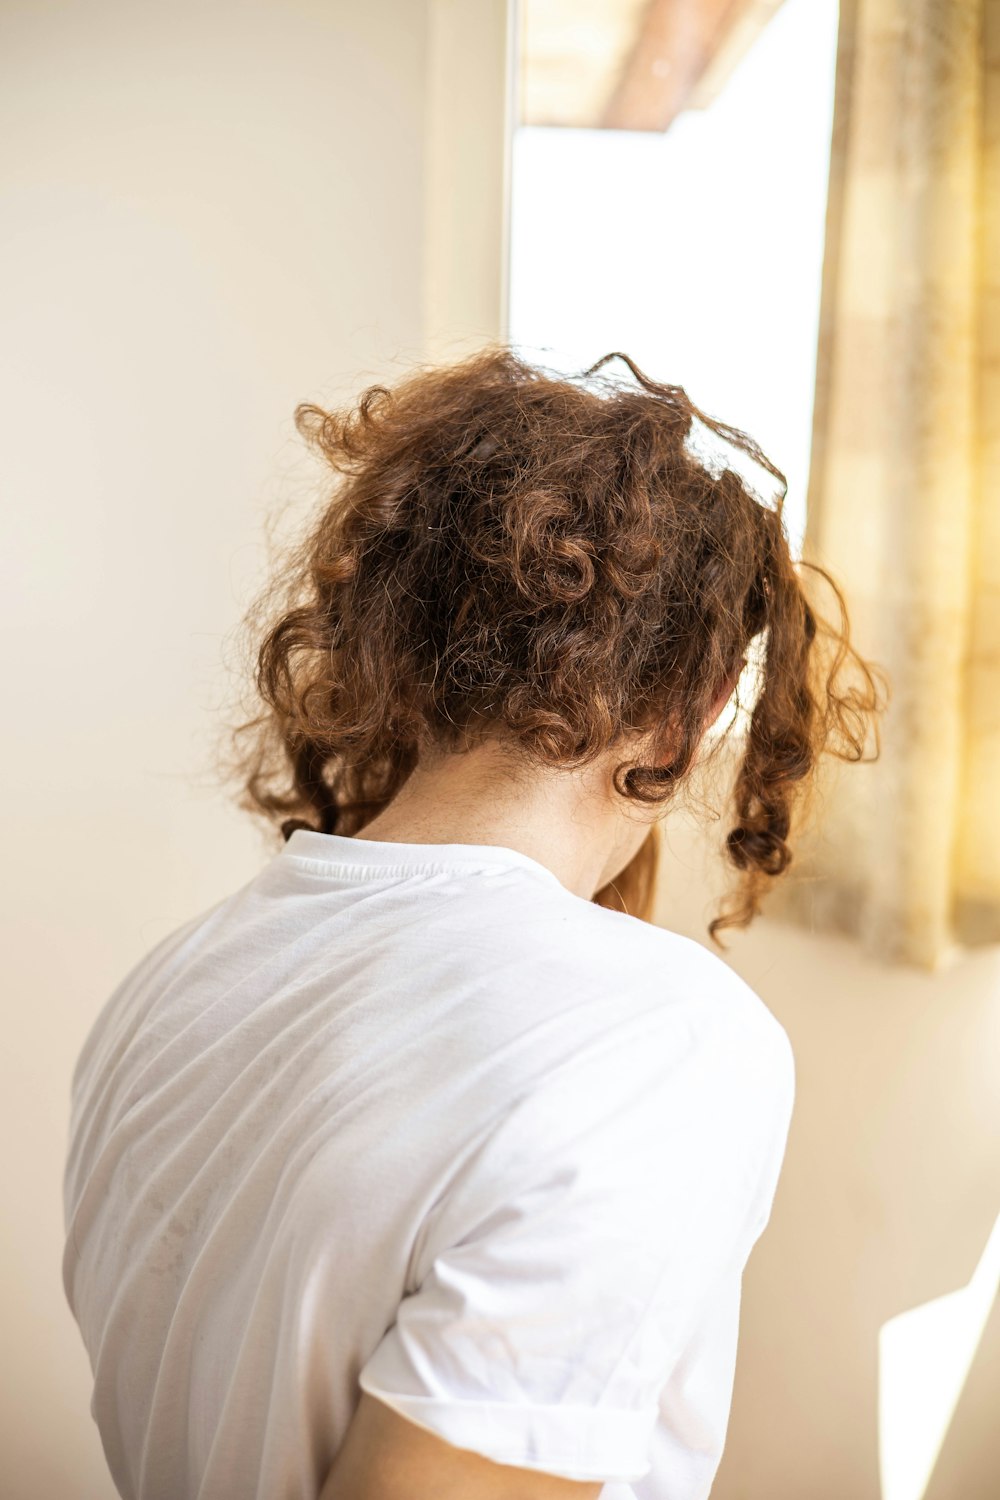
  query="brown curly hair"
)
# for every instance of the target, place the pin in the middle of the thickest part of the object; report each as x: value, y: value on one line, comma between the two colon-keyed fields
x: 511, y: 553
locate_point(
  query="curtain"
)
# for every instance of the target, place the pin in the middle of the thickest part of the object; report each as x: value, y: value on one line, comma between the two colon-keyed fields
x: 903, y: 853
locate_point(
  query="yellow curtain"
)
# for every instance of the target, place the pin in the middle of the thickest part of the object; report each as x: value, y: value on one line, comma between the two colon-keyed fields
x: 904, y: 491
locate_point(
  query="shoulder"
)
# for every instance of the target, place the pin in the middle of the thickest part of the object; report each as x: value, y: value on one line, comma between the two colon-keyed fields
x: 681, y: 985
x: 609, y: 950
x: 642, y: 989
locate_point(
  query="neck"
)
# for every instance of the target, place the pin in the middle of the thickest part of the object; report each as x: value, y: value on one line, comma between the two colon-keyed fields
x: 570, y: 821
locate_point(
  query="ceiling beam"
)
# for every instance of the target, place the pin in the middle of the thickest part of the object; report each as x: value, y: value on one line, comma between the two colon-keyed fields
x: 682, y: 54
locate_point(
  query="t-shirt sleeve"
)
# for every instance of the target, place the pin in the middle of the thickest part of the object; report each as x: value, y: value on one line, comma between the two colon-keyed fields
x: 567, y: 1272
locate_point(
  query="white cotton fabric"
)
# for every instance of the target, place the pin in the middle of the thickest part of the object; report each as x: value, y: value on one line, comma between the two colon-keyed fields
x: 416, y: 1119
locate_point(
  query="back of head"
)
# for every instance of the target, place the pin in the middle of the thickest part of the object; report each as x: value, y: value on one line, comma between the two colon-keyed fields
x: 547, y: 561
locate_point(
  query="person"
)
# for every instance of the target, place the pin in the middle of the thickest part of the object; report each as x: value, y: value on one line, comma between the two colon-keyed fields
x: 426, y: 1163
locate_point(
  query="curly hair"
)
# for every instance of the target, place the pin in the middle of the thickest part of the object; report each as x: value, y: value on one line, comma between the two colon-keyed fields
x: 510, y: 553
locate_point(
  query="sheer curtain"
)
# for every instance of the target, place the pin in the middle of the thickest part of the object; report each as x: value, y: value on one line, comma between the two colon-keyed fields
x: 904, y: 491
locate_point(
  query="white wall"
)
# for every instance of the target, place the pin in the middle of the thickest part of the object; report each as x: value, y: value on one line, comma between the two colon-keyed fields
x: 208, y: 212
x: 889, y: 1193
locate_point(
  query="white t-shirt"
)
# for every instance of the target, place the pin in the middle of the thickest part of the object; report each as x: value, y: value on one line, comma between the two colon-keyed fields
x: 415, y: 1118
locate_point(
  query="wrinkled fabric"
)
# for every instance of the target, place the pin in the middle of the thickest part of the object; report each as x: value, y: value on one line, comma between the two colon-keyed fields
x: 418, y: 1120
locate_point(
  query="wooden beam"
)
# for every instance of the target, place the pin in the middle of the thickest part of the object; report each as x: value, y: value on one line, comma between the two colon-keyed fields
x: 747, y: 24
x: 684, y: 51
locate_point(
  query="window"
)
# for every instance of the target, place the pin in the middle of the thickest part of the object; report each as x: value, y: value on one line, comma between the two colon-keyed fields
x: 697, y: 249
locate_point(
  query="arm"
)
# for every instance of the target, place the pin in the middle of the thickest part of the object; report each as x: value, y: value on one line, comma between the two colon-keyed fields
x: 384, y: 1456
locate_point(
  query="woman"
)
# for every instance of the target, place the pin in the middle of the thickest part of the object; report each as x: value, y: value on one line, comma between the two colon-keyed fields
x: 421, y: 1166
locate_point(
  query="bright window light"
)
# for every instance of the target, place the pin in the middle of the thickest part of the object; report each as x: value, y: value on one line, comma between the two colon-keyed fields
x: 924, y: 1357
x: 697, y: 251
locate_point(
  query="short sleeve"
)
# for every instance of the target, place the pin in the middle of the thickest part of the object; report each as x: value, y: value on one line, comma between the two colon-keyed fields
x: 566, y: 1273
